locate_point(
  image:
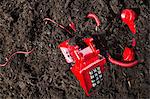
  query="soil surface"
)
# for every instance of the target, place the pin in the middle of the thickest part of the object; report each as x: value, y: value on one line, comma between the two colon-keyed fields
x: 44, y: 74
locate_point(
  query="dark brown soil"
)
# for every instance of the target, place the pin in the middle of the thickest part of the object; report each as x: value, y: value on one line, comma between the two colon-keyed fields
x: 44, y: 74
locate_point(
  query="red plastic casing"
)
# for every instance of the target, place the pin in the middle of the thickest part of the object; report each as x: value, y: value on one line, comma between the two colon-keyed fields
x: 128, y: 54
x: 128, y: 16
x: 87, y: 64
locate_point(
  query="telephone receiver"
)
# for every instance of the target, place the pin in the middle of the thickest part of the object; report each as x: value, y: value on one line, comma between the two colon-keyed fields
x: 128, y: 16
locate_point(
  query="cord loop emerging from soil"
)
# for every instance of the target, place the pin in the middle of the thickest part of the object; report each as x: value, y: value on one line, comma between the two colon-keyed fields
x: 18, y: 52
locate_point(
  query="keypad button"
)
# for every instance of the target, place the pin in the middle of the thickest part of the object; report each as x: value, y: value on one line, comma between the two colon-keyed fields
x: 98, y: 82
x: 100, y: 76
x: 94, y: 84
x: 93, y: 81
x: 92, y: 76
x: 99, y: 72
x: 98, y: 68
x: 95, y: 70
x: 91, y: 72
x: 97, y: 78
x: 96, y: 74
